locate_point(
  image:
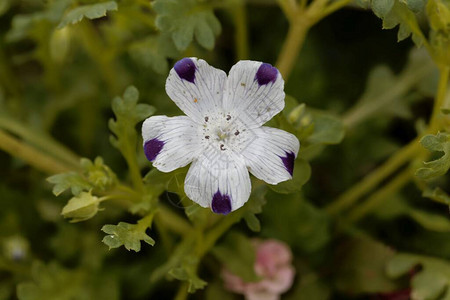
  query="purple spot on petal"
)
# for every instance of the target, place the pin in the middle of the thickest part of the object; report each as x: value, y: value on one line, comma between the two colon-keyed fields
x: 266, y: 73
x: 221, y: 204
x: 152, y: 148
x: 288, y: 162
x: 185, y: 68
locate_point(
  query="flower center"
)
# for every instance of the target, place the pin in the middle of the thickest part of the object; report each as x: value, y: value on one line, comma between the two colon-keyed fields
x: 223, y: 132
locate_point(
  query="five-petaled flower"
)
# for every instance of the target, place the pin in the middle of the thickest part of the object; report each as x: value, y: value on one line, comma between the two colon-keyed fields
x: 222, y: 134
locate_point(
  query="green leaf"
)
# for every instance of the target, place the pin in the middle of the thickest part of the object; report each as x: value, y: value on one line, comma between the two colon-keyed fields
x: 81, y: 207
x: 71, y: 180
x: 440, y: 166
x: 382, y: 7
x: 91, y: 11
x: 254, y: 206
x: 128, y: 235
x: 153, y: 52
x: 237, y: 254
x: 328, y: 129
x: 430, y: 281
x: 401, y: 15
x: 361, y: 267
x: 128, y: 113
x: 184, y: 19
x: 187, y: 271
x: 302, y: 173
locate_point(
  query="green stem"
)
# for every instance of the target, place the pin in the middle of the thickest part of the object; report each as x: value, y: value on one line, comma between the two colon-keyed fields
x: 217, y: 231
x: 379, y: 197
x: 182, y: 293
x: 40, y: 140
x: 173, y: 221
x: 30, y: 155
x: 289, y: 8
x: 440, y: 98
x: 241, y: 37
x: 336, y: 5
x: 373, y: 179
x: 301, y: 21
x: 292, y: 45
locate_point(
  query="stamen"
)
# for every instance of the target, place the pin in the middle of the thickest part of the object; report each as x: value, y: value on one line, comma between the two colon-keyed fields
x: 237, y: 132
x: 206, y: 119
x: 207, y: 137
x: 222, y: 147
x: 228, y: 117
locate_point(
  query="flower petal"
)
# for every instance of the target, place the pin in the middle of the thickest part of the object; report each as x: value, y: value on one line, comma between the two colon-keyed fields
x: 254, y: 90
x: 170, y: 143
x: 196, y: 87
x: 219, y: 180
x: 271, y: 155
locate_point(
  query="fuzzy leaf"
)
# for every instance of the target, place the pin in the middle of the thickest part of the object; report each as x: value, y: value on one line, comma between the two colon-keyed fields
x: 128, y: 113
x: 187, y: 271
x: 440, y: 166
x: 90, y: 11
x: 399, y: 12
x: 184, y: 19
x: 81, y: 207
x: 128, y: 235
x: 71, y: 180
x: 382, y: 7
x: 237, y: 254
x: 328, y: 129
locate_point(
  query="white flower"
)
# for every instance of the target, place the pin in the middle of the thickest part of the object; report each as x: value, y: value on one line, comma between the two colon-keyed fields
x: 222, y: 134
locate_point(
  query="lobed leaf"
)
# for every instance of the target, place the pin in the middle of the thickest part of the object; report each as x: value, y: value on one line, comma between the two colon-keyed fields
x: 70, y: 180
x: 90, y: 11
x: 440, y: 166
x: 128, y: 235
x: 184, y: 19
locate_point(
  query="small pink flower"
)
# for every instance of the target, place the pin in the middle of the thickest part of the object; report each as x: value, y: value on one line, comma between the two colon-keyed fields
x: 273, y: 265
